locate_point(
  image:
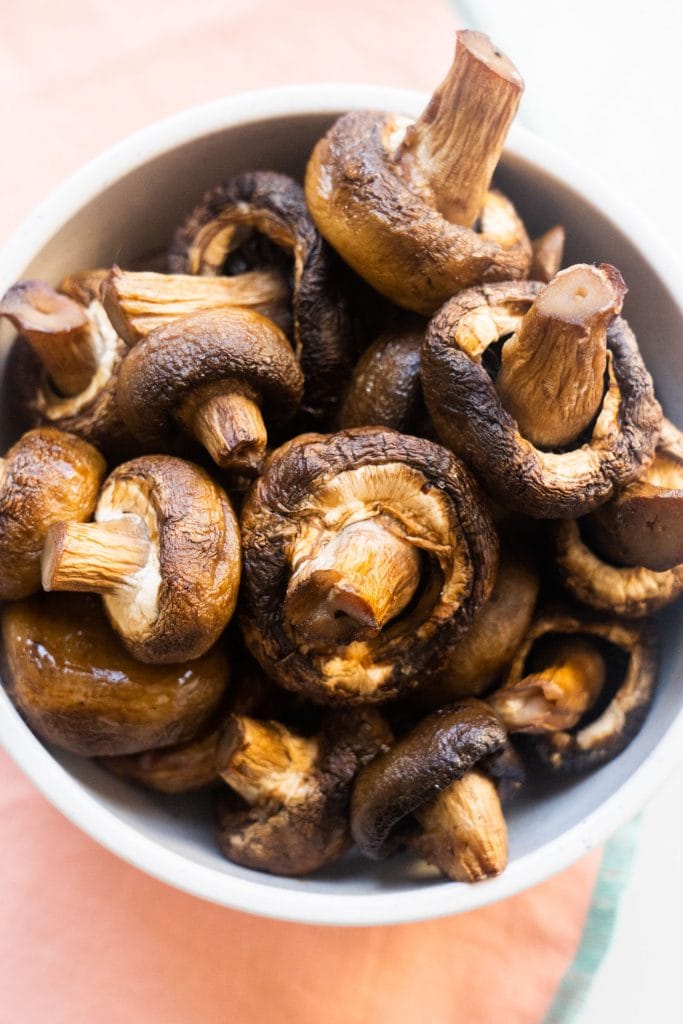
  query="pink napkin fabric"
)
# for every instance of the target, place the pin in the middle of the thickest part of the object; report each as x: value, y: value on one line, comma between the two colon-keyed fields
x: 83, y: 936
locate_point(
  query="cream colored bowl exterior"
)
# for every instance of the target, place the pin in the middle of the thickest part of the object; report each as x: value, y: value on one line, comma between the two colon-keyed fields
x: 129, y: 201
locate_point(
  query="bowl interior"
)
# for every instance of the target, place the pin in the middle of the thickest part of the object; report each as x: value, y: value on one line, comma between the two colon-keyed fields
x: 138, y: 213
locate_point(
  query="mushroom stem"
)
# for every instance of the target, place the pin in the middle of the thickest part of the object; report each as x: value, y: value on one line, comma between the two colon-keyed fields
x: 457, y: 141
x: 557, y: 695
x: 264, y: 761
x: 357, y: 582
x: 98, y: 558
x: 548, y: 250
x: 139, y: 302
x: 58, y: 330
x: 552, y: 375
x: 228, y: 423
x: 463, y: 831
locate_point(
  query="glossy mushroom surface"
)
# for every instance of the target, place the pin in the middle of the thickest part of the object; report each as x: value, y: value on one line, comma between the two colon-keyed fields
x: 366, y: 555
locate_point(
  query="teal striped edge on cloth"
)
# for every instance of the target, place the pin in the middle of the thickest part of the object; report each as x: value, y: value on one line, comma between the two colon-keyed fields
x: 614, y: 873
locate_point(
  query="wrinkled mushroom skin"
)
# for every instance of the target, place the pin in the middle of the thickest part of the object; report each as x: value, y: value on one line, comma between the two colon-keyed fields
x: 591, y: 744
x: 291, y: 816
x: 385, y: 388
x: 630, y: 591
x: 469, y: 416
x: 79, y: 688
x: 273, y: 205
x: 317, y: 488
x: 164, y: 553
x: 45, y: 477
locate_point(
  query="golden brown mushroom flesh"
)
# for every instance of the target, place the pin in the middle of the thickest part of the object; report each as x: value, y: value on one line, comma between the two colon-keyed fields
x: 216, y: 374
x: 366, y: 555
x: 272, y: 206
x: 407, y: 203
x: 45, y: 477
x: 164, y: 553
x: 78, y: 687
x: 581, y: 686
x: 65, y: 362
x: 567, y: 366
x: 286, y: 811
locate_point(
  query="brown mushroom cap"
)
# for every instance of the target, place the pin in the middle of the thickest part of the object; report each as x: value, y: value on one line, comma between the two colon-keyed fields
x: 470, y: 418
x: 291, y: 817
x: 78, y: 687
x: 45, y: 477
x: 594, y: 743
x: 313, y: 490
x: 442, y: 748
x: 273, y: 205
x: 165, y: 555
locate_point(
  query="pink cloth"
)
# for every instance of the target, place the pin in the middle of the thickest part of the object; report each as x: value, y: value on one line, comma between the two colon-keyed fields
x: 84, y: 937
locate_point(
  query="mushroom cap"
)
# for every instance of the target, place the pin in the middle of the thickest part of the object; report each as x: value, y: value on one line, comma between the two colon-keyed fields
x: 201, y: 349
x: 324, y: 482
x: 77, y: 686
x: 470, y: 418
x: 46, y: 477
x: 295, y: 836
x: 595, y: 742
x: 392, y: 235
x: 186, y: 594
x: 443, y: 747
x: 273, y: 204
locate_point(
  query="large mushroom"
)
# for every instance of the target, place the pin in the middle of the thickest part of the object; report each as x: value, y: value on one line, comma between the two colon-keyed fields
x: 45, y: 477
x: 65, y: 362
x: 217, y: 374
x: 542, y: 390
x: 435, y: 789
x: 164, y: 553
x: 273, y: 205
x: 366, y: 555
x: 407, y: 204
x: 79, y: 688
x: 286, y: 810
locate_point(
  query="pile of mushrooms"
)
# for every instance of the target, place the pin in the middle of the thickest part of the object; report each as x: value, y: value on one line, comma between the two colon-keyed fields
x: 314, y: 578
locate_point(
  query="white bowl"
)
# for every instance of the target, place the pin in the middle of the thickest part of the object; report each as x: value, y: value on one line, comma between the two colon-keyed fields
x: 129, y: 201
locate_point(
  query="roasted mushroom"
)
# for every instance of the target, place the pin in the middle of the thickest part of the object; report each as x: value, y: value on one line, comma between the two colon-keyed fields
x: 548, y: 250
x: 407, y: 203
x: 570, y: 370
x: 137, y: 302
x: 164, y: 554
x: 78, y: 687
x: 66, y: 360
x: 45, y: 477
x: 366, y: 555
x: 287, y: 808
x: 433, y: 789
x: 584, y: 684
x: 214, y: 373
x: 273, y: 205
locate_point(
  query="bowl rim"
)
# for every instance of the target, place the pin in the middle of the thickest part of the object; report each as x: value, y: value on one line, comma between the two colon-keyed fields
x: 84, y: 809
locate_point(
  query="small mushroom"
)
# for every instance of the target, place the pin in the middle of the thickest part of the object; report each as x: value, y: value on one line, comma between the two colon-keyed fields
x: 45, y: 477
x: 164, y: 554
x: 286, y: 811
x: 66, y: 360
x: 216, y: 373
x: 273, y: 205
x: 366, y: 555
x: 551, y: 379
x: 548, y: 250
x: 385, y: 389
x: 583, y: 684
x: 137, y: 302
x: 433, y: 789
x: 77, y: 686
x: 407, y: 204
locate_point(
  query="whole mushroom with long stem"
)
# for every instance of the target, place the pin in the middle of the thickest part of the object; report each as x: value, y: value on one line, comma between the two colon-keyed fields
x: 164, y: 553
x: 407, y: 203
